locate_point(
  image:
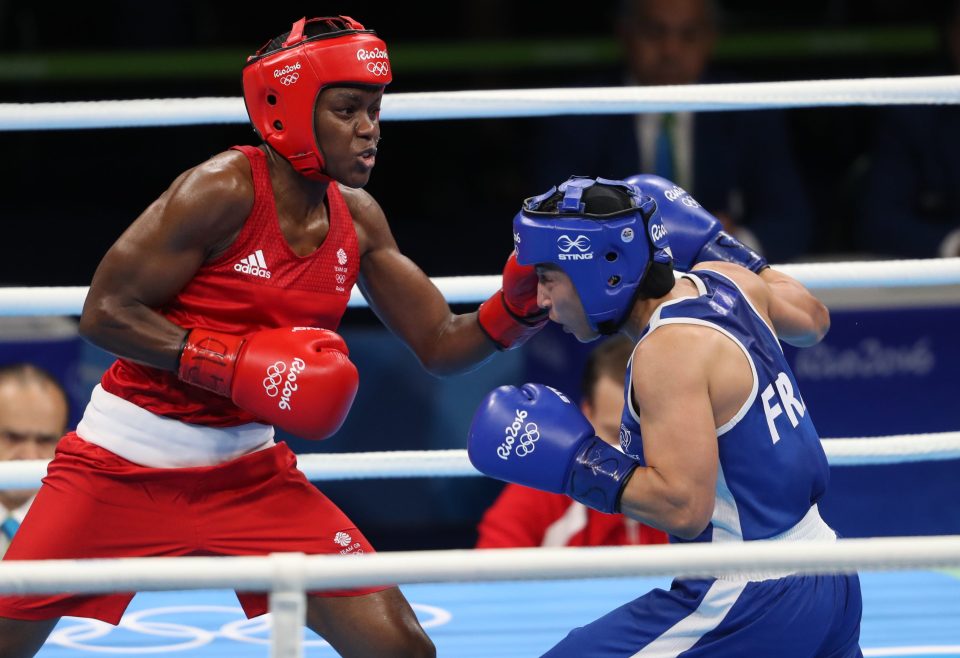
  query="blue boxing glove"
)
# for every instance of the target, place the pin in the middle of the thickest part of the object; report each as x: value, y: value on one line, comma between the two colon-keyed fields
x: 536, y: 437
x: 694, y: 234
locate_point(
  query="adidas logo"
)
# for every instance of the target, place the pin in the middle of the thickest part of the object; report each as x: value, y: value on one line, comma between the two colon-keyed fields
x: 254, y: 265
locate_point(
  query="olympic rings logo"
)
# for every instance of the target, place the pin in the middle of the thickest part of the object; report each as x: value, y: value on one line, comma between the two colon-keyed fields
x: 288, y: 80
x: 523, y: 435
x: 130, y: 636
x: 378, y: 68
x: 271, y: 383
x: 531, y: 434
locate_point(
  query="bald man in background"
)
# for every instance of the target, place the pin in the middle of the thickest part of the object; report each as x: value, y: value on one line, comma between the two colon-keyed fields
x: 33, y: 417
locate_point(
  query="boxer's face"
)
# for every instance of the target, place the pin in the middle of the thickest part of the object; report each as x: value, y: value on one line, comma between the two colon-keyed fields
x: 556, y: 293
x: 348, y: 128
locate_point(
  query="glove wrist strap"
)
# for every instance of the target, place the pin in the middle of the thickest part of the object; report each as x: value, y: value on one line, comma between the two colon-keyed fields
x: 208, y: 359
x: 598, y: 475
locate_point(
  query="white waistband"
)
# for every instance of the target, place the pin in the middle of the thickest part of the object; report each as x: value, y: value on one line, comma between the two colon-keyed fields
x: 150, y: 440
x: 811, y: 527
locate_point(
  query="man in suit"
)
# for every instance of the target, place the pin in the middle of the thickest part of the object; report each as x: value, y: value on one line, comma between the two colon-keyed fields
x: 33, y: 416
x: 910, y: 204
x: 739, y: 165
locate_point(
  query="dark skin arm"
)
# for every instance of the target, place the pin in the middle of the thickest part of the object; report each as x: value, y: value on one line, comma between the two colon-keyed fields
x: 198, y: 217
x: 192, y: 221
x: 407, y: 302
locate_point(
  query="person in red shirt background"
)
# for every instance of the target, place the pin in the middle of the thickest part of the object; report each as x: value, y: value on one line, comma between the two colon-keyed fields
x: 522, y: 517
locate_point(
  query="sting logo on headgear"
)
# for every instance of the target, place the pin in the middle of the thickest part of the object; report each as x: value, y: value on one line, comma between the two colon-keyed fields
x: 282, y: 80
x: 581, y: 243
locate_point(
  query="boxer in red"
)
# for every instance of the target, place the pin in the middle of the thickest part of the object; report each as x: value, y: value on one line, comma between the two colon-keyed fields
x: 221, y: 302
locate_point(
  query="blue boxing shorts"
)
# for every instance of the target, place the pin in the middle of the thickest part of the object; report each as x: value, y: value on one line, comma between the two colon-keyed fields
x: 792, y: 617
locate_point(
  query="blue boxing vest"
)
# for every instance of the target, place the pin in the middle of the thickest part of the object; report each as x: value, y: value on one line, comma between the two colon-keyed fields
x: 772, y: 465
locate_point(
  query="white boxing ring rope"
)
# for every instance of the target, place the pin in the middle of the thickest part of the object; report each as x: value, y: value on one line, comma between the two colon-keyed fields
x: 507, y: 103
x: 318, y: 572
x: 326, y: 467
x: 288, y: 576
x: 818, y: 277
x: 23, y: 301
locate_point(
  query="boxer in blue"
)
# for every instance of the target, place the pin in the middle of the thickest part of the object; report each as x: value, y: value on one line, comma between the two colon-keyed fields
x: 717, y: 442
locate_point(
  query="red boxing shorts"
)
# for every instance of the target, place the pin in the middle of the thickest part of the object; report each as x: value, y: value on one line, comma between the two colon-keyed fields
x: 94, y: 504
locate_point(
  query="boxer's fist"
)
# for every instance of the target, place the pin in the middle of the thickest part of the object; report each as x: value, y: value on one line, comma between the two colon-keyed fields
x: 536, y: 437
x: 297, y: 378
x: 694, y: 234
x: 511, y: 316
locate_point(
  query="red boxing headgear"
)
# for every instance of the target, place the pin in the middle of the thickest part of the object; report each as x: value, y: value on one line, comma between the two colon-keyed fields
x: 280, y: 86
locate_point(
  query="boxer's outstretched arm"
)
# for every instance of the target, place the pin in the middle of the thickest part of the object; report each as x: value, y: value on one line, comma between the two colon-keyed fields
x: 158, y: 254
x: 407, y: 301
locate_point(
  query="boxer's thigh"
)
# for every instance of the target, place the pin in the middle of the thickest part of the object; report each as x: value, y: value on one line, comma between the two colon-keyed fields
x: 788, y: 617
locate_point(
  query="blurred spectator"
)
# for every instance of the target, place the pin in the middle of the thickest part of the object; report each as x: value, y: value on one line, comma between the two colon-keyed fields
x: 739, y: 165
x: 910, y: 205
x: 524, y: 517
x: 33, y: 417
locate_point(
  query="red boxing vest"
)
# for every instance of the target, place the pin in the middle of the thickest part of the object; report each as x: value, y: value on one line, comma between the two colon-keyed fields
x: 258, y: 283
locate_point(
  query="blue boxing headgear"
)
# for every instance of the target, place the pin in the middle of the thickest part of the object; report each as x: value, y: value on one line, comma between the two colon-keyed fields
x: 606, y: 236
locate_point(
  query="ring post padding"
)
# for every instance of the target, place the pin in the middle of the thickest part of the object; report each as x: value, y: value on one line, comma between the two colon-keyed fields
x: 288, y: 605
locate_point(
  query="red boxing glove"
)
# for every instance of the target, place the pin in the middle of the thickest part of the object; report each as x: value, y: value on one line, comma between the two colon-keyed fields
x: 511, y: 316
x: 297, y: 378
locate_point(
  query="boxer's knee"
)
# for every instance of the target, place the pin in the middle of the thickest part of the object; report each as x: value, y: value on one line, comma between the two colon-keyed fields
x: 407, y: 642
x: 377, y: 624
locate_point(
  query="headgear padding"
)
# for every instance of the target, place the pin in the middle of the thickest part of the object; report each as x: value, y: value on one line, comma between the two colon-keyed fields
x: 606, y: 236
x: 280, y: 86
